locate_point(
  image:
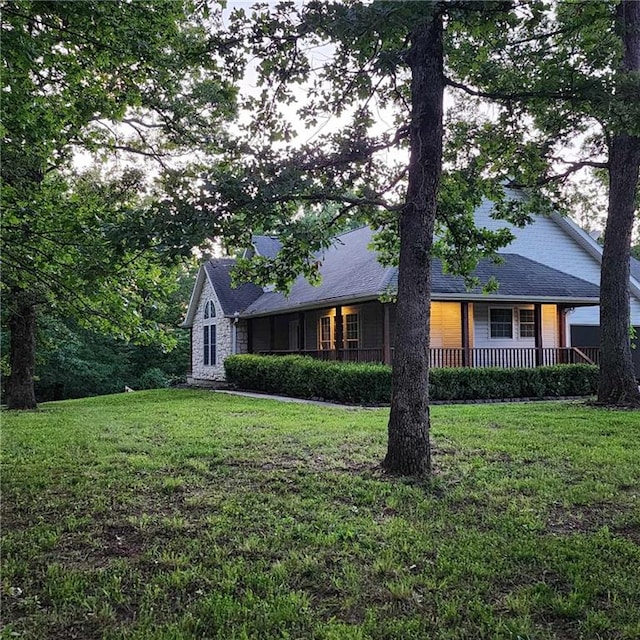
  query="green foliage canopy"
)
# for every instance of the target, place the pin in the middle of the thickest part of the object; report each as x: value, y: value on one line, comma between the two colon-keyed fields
x: 106, y: 78
x: 313, y: 156
x: 572, y: 71
x: 129, y: 87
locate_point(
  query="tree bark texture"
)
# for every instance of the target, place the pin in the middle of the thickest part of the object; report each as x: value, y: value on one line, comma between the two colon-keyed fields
x: 22, y: 351
x: 408, y: 449
x: 617, y: 383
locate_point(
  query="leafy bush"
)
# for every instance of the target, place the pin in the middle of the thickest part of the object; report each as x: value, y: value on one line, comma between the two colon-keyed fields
x: 74, y: 362
x: 304, y: 377
x: 495, y: 383
x: 152, y: 378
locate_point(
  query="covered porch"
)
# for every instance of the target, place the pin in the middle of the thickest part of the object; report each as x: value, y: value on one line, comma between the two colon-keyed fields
x: 478, y: 333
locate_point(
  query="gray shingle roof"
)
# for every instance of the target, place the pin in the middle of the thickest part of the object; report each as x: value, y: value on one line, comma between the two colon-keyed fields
x: 635, y: 268
x: 518, y: 277
x: 232, y: 300
x: 351, y: 271
x: 266, y: 246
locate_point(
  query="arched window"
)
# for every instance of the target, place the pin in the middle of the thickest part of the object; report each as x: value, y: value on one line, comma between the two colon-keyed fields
x: 209, y: 310
x: 209, y: 334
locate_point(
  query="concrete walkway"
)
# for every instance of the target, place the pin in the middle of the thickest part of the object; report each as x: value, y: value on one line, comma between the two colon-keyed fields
x: 319, y: 403
x: 353, y: 407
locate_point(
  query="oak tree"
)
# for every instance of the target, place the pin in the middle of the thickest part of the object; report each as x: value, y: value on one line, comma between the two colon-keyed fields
x: 572, y: 72
x: 325, y: 75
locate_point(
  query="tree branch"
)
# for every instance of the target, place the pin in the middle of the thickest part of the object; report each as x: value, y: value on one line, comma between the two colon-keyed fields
x: 576, y: 166
x: 322, y: 196
x: 138, y: 121
x: 123, y: 147
x: 516, y: 95
x: 541, y: 36
x: 362, y: 154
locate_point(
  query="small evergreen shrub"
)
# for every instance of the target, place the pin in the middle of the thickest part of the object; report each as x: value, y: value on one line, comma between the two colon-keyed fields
x: 152, y: 378
x: 176, y: 381
x: 496, y: 383
x: 361, y: 383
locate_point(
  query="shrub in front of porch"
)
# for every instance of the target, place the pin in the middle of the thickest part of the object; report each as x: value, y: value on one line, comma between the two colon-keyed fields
x: 495, y: 383
x: 304, y: 377
x: 358, y: 383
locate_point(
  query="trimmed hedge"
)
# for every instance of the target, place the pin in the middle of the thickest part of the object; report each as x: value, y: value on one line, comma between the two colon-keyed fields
x: 495, y: 383
x: 360, y: 383
x: 304, y: 377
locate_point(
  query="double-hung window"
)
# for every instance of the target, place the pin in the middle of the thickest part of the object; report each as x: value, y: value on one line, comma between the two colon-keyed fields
x: 352, y: 333
x: 209, y: 335
x: 501, y: 323
x: 325, y: 333
x: 527, y: 323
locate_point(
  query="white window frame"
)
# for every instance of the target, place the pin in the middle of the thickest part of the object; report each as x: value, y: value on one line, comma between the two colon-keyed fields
x: 490, y: 323
x: 529, y: 323
x: 326, y: 345
x: 210, y: 335
x: 352, y: 343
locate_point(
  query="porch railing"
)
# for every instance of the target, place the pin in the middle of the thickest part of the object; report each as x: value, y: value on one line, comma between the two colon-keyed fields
x: 527, y: 357
x: 341, y: 355
x: 512, y: 358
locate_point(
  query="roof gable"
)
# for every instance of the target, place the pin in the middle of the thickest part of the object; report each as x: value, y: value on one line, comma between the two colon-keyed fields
x: 595, y: 249
x: 558, y: 242
x: 232, y: 300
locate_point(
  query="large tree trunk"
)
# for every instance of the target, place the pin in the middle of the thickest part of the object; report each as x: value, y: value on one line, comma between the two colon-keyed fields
x: 617, y: 384
x: 408, y: 450
x: 22, y: 351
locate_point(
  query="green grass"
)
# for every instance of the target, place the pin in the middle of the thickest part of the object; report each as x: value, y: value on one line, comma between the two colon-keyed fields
x: 186, y: 514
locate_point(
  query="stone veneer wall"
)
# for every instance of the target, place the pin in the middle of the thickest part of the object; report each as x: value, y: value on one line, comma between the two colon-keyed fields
x: 200, y: 373
x: 242, y: 337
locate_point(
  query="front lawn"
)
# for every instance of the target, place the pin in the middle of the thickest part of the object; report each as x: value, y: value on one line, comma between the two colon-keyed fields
x: 188, y: 514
